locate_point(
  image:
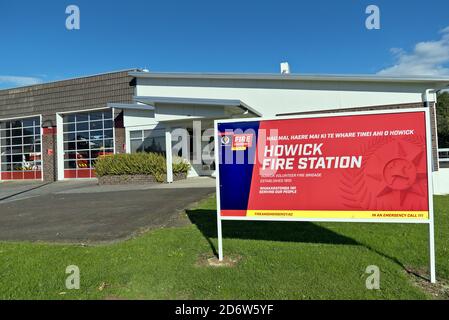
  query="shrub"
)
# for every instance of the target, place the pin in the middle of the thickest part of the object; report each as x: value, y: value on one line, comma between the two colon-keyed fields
x: 138, y: 164
x: 180, y: 165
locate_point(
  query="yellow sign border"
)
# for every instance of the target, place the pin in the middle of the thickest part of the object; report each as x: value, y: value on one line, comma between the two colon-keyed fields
x: 323, y: 214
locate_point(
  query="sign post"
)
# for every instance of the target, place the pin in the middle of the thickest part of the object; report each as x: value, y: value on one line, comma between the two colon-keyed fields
x: 370, y: 167
x: 432, y: 267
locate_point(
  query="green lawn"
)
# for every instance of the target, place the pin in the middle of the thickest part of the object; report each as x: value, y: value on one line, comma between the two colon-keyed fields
x: 278, y: 261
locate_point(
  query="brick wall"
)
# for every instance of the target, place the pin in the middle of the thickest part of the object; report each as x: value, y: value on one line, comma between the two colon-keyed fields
x: 49, y: 155
x: 47, y: 99
x: 120, y: 138
x: 68, y: 95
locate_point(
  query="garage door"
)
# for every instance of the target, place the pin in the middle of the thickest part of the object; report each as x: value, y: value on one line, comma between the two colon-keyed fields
x: 20, y: 145
x: 87, y: 136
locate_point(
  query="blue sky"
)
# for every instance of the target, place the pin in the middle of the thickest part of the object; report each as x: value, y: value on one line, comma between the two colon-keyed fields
x: 319, y: 36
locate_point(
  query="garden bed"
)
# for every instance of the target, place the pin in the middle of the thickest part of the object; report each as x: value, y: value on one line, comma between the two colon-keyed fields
x: 138, y: 168
x: 135, y: 179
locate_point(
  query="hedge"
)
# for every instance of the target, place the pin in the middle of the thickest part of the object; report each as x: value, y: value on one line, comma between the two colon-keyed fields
x: 138, y: 164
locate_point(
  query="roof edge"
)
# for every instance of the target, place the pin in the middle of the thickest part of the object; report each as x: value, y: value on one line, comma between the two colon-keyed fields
x: 130, y: 70
x: 291, y: 77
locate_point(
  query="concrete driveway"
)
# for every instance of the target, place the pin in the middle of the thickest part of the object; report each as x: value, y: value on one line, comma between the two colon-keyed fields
x: 82, y: 212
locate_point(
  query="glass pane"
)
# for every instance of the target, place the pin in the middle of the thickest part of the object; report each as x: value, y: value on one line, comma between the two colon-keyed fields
x: 5, y: 150
x: 69, y: 127
x: 135, y: 134
x: 96, y: 125
x: 96, y: 135
x: 69, y: 118
x: 37, y: 165
x: 108, y: 134
x: 96, y: 116
x: 108, y: 114
x: 82, y: 163
x: 92, y: 163
x: 16, y: 141
x: 35, y: 156
x: 83, y: 155
x: 70, y: 146
x: 82, y: 117
x: 71, y: 155
x: 136, y: 146
x: 5, y: 142
x: 28, y: 131
x: 69, y: 136
x: 28, y: 122
x: 95, y: 153
x: 108, y: 124
x: 82, y: 126
x: 69, y: 164
x: 28, y: 149
x: 108, y: 143
x: 82, y: 145
x: 16, y: 124
x: 28, y: 140
x: 156, y: 144
x: 16, y: 150
x: 17, y: 132
x: 18, y: 158
x: 96, y: 144
x: 6, y: 158
x: 82, y: 135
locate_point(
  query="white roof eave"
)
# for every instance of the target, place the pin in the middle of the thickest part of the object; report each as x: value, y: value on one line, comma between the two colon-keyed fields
x: 443, y: 81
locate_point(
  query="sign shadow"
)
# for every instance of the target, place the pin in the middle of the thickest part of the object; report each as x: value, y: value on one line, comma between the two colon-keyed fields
x: 304, y: 232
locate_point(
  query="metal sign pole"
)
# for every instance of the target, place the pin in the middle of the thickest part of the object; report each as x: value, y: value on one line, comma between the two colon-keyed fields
x: 217, y: 184
x: 433, y: 278
x: 430, y: 196
x: 220, y: 240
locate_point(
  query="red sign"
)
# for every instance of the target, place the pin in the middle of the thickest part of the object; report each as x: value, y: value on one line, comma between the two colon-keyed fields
x: 358, y: 166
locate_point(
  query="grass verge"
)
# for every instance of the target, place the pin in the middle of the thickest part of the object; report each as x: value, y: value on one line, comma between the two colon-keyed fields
x: 276, y: 261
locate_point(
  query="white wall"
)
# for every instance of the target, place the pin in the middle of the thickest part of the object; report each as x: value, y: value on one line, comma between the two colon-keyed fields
x: 133, y: 118
x: 441, y: 182
x: 271, y: 97
x: 274, y: 97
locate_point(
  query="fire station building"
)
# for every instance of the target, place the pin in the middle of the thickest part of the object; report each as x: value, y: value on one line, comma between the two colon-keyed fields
x: 56, y: 131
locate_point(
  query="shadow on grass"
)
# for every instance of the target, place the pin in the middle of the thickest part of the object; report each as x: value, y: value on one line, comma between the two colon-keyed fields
x: 304, y: 232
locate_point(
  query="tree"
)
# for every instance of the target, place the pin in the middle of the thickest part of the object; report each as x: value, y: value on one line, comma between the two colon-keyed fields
x: 443, y: 120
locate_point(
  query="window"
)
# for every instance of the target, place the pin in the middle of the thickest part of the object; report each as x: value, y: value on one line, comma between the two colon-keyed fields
x: 87, y: 136
x: 147, y: 141
x: 20, y: 149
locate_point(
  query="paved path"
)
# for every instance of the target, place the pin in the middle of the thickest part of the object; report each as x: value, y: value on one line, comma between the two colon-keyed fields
x: 83, y: 212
